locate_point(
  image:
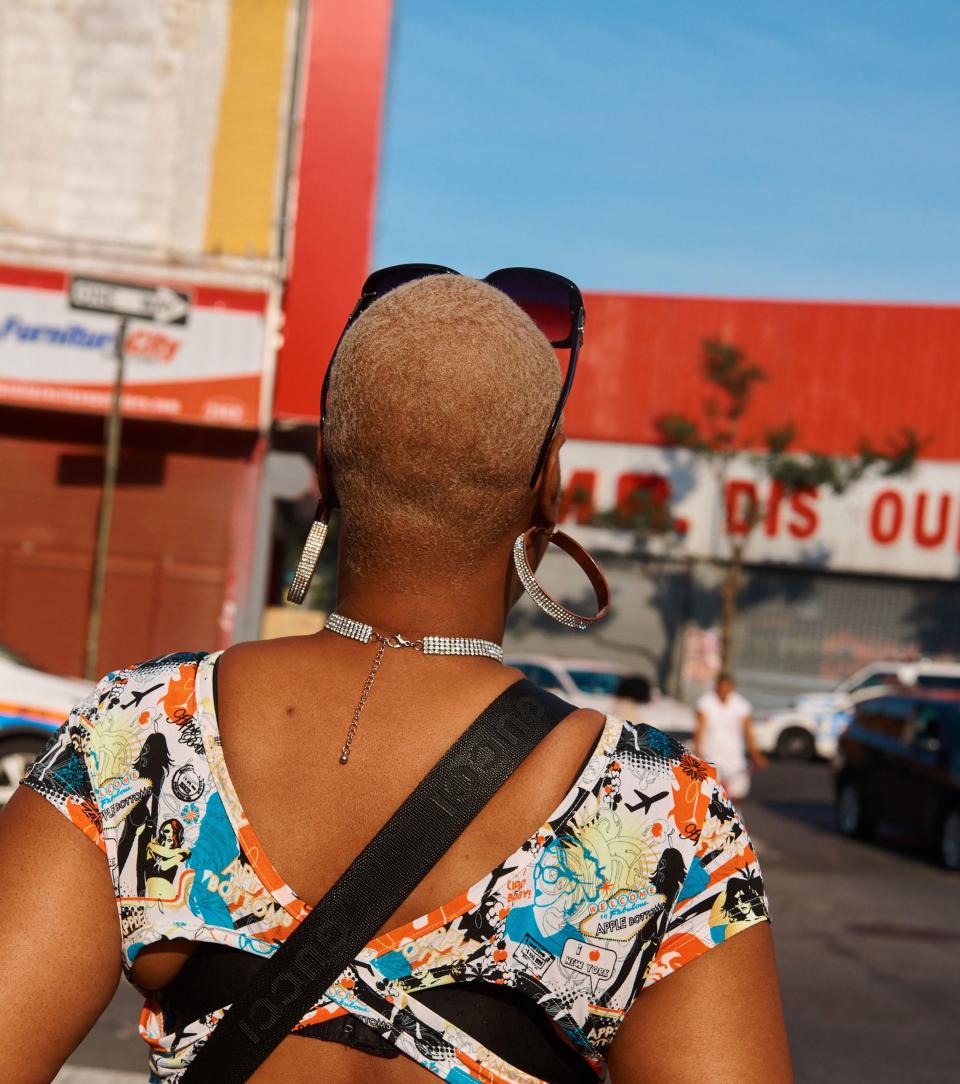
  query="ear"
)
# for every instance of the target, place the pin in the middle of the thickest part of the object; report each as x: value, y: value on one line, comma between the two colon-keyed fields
x: 546, y: 506
x: 328, y: 495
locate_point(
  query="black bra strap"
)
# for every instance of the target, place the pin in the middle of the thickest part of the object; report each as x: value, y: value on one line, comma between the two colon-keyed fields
x: 383, y: 875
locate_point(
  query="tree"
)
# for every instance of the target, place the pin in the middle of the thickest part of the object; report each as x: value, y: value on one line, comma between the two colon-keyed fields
x: 730, y: 379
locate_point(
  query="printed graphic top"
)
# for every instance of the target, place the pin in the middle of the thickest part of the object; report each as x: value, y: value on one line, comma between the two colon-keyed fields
x: 643, y: 867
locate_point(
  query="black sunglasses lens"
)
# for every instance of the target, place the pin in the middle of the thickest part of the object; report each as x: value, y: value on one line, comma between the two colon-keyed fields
x: 389, y: 278
x: 545, y: 299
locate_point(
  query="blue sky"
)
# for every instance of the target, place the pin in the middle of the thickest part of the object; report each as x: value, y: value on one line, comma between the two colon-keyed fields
x: 747, y: 149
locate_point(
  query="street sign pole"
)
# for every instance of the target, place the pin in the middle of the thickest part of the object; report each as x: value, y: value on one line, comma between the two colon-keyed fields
x: 127, y: 301
x: 112, y: 427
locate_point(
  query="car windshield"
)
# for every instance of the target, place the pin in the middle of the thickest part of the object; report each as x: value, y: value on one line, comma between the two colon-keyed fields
x: 596, y: 682
x: 879, y: 677
x: 540, y: 675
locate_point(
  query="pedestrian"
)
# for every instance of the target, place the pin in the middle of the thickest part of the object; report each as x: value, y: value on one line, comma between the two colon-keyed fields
x: 724, y: 736
x: 536, y: 947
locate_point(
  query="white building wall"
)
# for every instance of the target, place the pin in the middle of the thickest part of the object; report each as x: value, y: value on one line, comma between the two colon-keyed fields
x: 907, y: 525
x: 108, y: 113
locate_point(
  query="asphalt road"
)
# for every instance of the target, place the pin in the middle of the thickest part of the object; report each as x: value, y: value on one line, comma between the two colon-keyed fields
x: 868, y: 943
x: 867, y: 935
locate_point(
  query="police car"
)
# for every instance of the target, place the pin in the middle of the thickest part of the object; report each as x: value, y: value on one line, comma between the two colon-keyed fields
x: 33, y: 704
x: 811, y: 724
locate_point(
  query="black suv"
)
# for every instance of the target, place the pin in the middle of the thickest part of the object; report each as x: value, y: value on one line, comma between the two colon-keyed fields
x: 898, y: 764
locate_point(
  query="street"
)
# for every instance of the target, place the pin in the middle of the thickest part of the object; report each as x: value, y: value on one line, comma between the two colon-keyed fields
x: 867, y: 942
x: 867, y: 939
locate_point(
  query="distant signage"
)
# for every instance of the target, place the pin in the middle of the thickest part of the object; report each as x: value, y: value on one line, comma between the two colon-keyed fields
x: 907, y: 525
x: 200, y: 358
x: 160, y: 304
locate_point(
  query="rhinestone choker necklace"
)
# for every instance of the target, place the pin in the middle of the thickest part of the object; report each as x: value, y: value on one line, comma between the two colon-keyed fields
x: 428, y: 645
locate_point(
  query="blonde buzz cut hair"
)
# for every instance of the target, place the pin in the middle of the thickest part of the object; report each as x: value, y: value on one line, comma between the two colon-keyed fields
x: 440, y: 398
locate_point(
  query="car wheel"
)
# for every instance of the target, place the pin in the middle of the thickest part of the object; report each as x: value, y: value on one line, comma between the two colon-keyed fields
x: 852, y: 818
x: 950, y: 840
x: 16, y: 755
x: 795, y: 743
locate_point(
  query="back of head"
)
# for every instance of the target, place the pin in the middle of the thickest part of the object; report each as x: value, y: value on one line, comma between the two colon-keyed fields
x: 440, y: 396
x: 634, y: 687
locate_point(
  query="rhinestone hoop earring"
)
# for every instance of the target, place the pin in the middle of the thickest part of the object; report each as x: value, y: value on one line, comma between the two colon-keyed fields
x: 307, y: 564
x: 549, y: 605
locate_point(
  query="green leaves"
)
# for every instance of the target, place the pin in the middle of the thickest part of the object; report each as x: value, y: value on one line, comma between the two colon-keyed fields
x: 779, y: 438
x: 681, y: 432
x: 813, y: 469
x: 727, y: 368
x: 730, y: 379
x: 902, y: 450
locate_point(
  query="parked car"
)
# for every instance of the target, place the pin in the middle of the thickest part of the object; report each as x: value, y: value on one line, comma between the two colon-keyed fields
x: 898, y: 765
x: 32, y: 705
x: 592, y: 684
x: 584, y: 682
x: 810, y: 726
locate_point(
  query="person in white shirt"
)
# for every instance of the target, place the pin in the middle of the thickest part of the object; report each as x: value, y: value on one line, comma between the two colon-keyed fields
x: 725, y: 738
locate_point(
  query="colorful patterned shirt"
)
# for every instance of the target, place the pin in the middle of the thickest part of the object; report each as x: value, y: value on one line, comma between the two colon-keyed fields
x: 643, y: 867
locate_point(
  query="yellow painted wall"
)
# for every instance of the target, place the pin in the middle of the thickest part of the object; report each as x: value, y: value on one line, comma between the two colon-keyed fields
x: 249, y: 137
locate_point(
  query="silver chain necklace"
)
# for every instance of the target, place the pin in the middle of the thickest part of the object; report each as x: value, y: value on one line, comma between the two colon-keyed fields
x: 427, y: 645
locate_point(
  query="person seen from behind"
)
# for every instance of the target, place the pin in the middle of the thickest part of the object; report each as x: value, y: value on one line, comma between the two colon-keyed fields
x: 605, y: 908
x: 724, y: 736
x: 633, y: 692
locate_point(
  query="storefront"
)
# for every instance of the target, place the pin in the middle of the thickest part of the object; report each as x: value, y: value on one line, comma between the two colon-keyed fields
x: 198, y: 161
x: 833, y: 581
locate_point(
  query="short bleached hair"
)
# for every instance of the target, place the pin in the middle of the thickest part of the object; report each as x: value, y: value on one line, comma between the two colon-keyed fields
x: 440, y: 398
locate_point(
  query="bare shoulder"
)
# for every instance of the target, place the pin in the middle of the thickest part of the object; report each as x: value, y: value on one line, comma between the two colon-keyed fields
x: 257, y: 658
x: 581, y: 731
x: 725, y: 1013
x: 585, y: 722
x: 268, y: 651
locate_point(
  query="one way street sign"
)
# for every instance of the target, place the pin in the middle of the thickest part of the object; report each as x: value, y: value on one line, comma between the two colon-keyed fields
x: 129, y: 299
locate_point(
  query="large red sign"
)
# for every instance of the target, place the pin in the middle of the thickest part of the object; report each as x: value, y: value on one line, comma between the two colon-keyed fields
x: 839, y: 371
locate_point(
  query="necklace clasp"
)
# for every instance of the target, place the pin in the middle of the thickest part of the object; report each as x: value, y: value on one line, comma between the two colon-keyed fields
x: 399, y: 641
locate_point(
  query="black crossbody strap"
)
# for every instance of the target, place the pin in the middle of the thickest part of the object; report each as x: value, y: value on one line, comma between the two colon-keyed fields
x: 382, y: 876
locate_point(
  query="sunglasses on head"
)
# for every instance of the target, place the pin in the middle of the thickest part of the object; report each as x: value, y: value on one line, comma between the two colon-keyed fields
x: 552, y: 302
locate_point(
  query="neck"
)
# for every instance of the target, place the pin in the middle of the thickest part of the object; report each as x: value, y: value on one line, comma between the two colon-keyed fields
x: 440, y: 604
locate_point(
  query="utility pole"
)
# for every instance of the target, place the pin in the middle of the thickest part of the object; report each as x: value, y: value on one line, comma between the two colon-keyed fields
x: 112, y: 431
x: 125, y: 300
